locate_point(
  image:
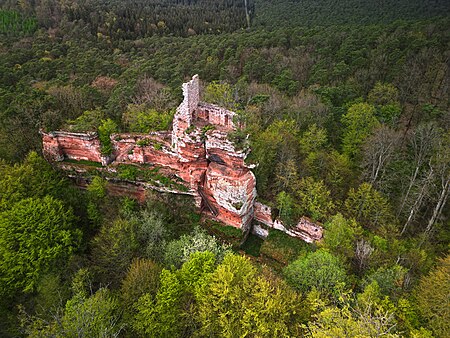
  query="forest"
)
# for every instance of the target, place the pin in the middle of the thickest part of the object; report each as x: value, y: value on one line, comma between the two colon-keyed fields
x: 347, y: 108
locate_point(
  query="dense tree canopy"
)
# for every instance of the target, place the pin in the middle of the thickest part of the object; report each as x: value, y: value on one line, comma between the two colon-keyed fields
x: 346, y: 105
x: 34, y: 234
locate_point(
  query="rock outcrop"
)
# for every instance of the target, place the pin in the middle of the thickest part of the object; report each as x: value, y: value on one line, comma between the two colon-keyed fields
x: 305, y: 229
x: 197, y: 153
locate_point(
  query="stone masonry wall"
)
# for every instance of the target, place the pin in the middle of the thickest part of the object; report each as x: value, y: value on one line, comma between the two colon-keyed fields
x: 215, y: 115
x: 183, y: 116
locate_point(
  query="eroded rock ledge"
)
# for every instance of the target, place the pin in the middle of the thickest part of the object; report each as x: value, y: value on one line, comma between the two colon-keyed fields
x: 196, y: 158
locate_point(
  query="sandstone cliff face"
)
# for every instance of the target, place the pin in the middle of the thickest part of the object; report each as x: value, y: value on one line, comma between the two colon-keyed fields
x: 77, y: 146
x: 197, y: 151
x: 233, y: 191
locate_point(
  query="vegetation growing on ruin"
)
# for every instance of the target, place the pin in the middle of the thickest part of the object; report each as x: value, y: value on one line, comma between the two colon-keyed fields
x: 346, y: 104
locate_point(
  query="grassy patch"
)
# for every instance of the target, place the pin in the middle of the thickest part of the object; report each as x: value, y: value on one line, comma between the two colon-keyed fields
x: 228, y: 231
x: 83, y: 162
x: 133, y: 172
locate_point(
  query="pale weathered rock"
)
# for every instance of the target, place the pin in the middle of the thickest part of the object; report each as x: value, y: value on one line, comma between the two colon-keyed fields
x: 259, y: 231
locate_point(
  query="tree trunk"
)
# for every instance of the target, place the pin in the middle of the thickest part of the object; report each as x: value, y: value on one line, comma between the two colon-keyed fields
x: 440, y: 204
x: 247, y: 14
x: 418, y: 201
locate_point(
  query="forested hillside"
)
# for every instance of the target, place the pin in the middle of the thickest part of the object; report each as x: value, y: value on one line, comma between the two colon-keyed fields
x: 354, y: 12
x: 347, y: 108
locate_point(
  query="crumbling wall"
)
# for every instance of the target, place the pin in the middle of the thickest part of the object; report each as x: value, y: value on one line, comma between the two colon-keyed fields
x: 152, y: 149
x: 221, y: 150
x: 263, y: 214
x: 216, y: 115
x: 185, y: 111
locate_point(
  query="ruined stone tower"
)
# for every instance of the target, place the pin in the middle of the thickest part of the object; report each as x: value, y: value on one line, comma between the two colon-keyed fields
x: 186, y: 110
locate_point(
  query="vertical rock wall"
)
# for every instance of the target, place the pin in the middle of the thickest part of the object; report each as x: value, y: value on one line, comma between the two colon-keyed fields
x: 77, y: 146
x: 233, y: 192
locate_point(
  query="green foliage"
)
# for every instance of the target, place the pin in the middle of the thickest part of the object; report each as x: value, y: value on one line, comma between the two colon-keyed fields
x: 179, y: 251
x: 432, y: 297
x: 94, y: 316
x: 240, y: 139
x: 12, y: 22
x: 84, y: 315
x: 384, y: 97
x: 161, y: 316
x: 359, y: 122
x: 295, y: 82
x: 193, y: 271
x: 340, y: 236
x: 345, y: 323
x: 105, y: 130
x: 113, y: 249
x: 143, y: 143
x: 127, y: 172
x: 285, y: 82
x: 313, y: 140
x: 318, y: 270
x: 314, y: 199
x: 352, y: 12
x: 285, y: 205
x: 138, y: 118
x: 26, y: 249
x: 333, y: 168
x: 47, y: 299
x: 369, y: 207
x: 277, y: 142
x: 370, y: 316
x: 96, y: 193
x: 33, y: 178
x: 235, y: 300
x: 383, y: 94
x: 390, y: 280
x: 151, y: 234
x: 142, y: 278
x: 221, y: 94
x: 90, y: 120
x: 97, y: 188
x: 252, y: 245
x: 283, y: 248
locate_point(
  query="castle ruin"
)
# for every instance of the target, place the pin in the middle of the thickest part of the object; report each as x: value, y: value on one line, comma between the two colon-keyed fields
x: 197, y: 153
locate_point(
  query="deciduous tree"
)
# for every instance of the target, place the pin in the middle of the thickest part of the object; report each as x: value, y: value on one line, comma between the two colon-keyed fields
x: 35, y: 233
x: 359, y: 123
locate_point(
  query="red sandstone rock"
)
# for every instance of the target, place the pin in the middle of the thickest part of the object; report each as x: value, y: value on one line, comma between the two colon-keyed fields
x: 76, y: 146
x: 234, y: 192
x: 263, y: 214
